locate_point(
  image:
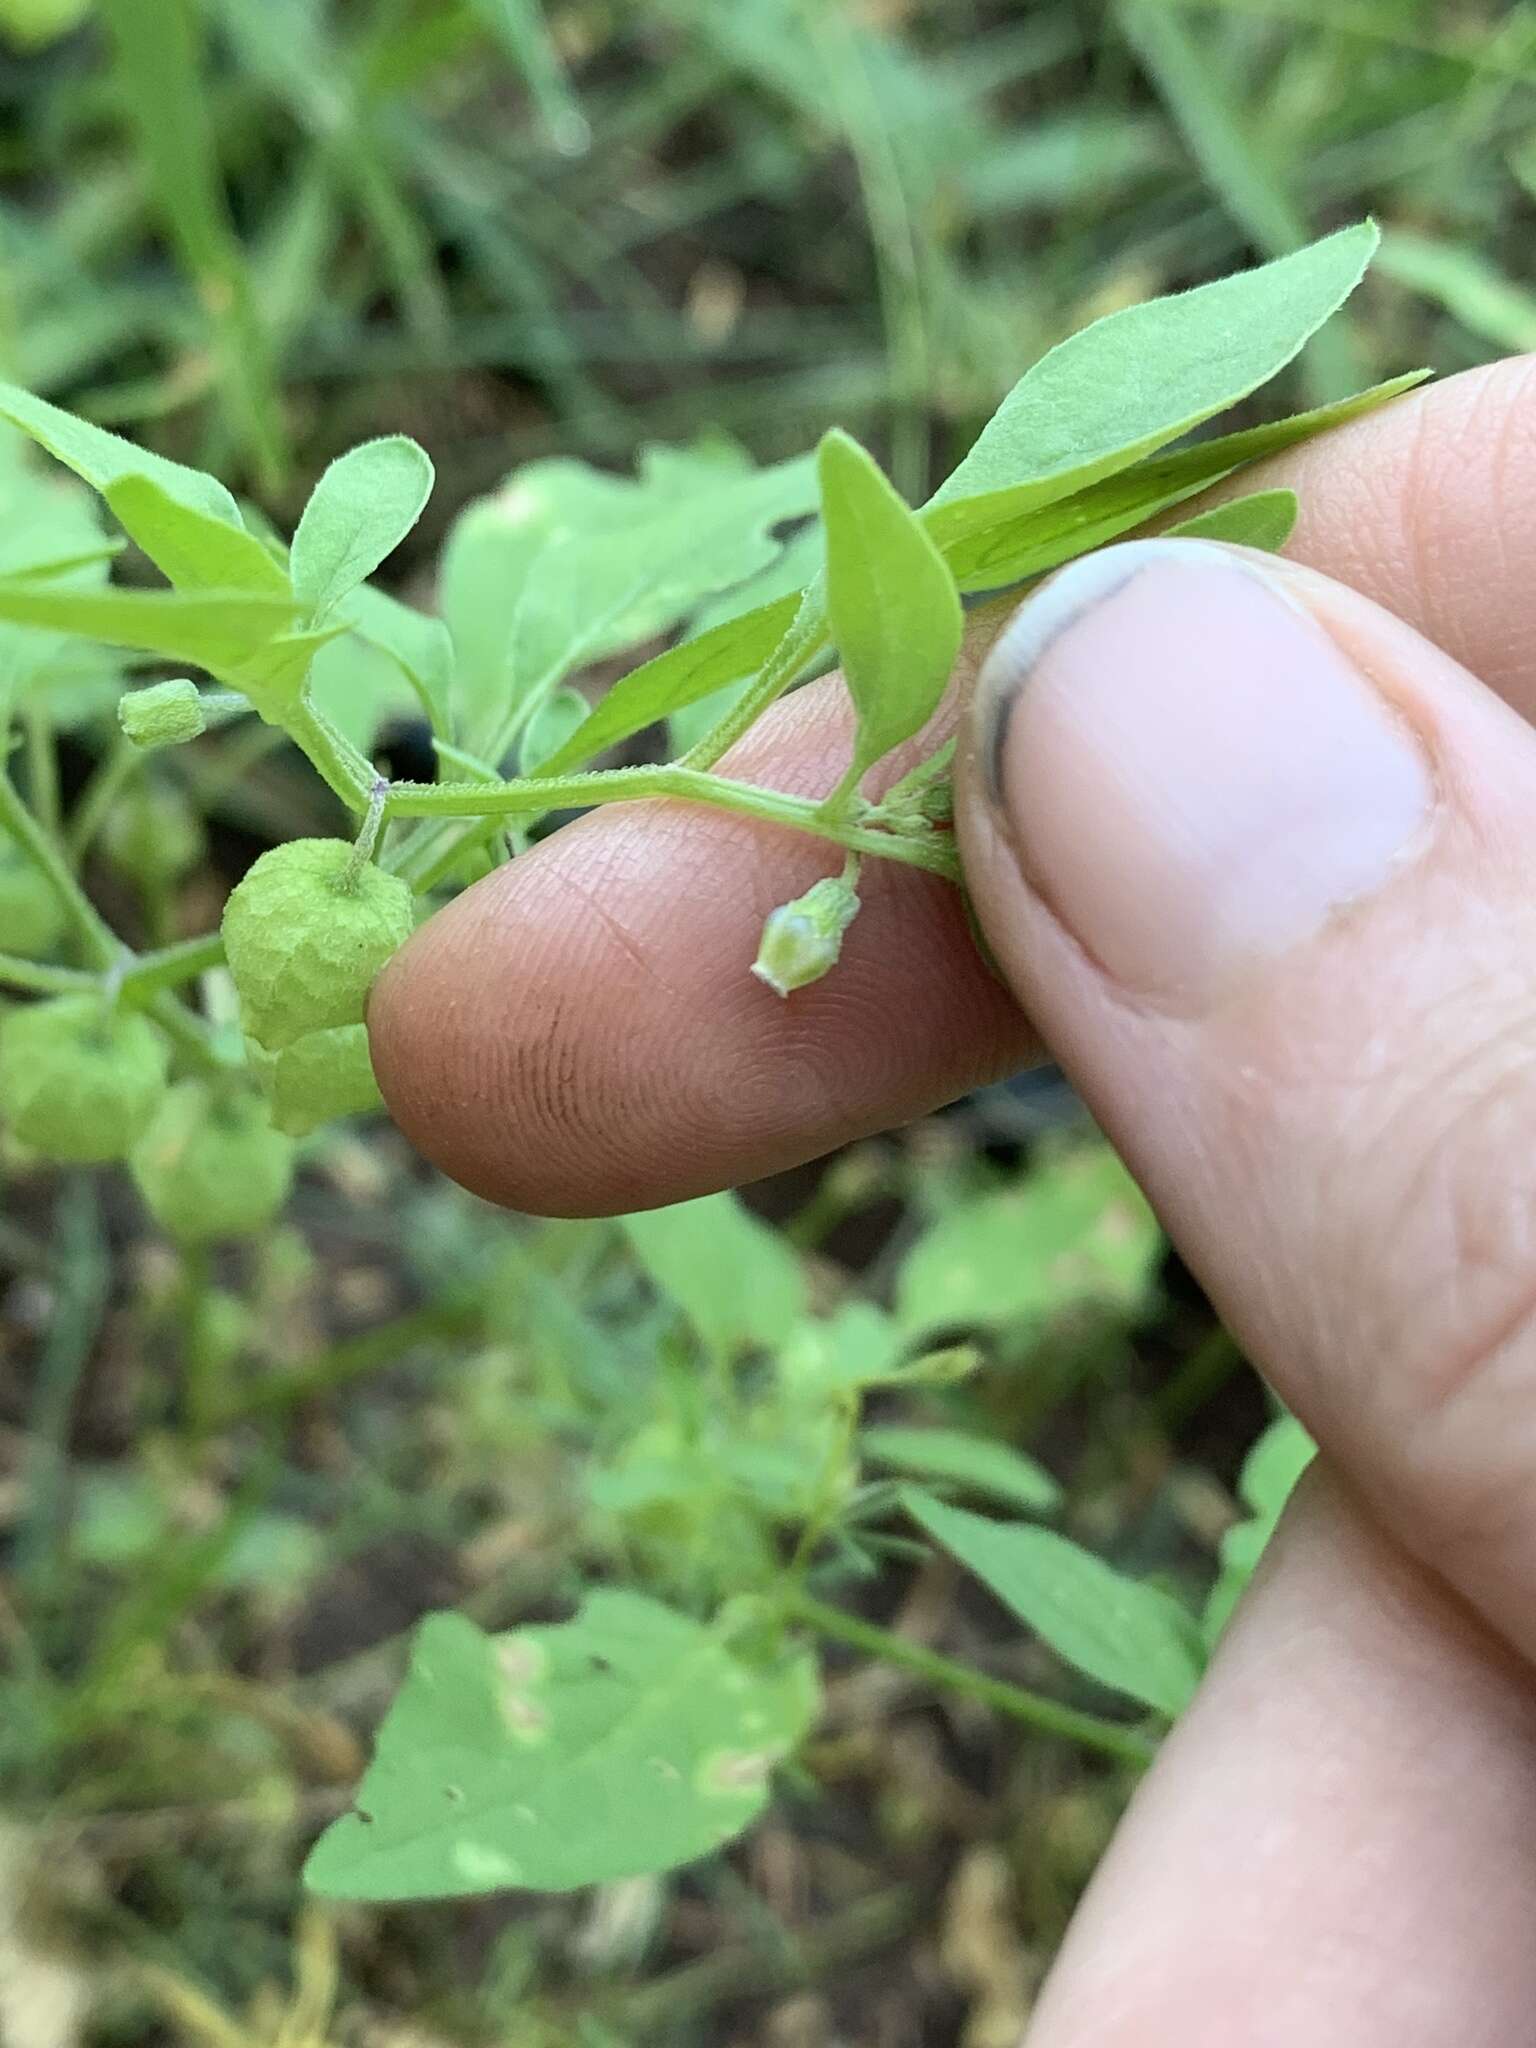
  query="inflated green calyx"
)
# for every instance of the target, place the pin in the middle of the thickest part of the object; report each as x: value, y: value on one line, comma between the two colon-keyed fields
x: 79, y: 1082
x: 210, y: 1165
x: 322, y: 1075
x: 305, y: 934
x: 31, y: 916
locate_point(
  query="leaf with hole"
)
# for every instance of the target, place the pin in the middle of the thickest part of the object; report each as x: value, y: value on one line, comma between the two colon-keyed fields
x: 629, y: 1739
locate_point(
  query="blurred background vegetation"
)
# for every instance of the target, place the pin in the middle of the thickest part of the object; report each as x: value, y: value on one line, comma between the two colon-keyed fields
x: 250, y: 232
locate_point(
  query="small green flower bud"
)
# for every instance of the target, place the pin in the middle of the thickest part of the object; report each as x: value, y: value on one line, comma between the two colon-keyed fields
x: 305, y: 936
x: 164, y: 715
x: 801, y: 940
x: 32, y: 920
x: 211, y: 1166
x: 79, y: 1082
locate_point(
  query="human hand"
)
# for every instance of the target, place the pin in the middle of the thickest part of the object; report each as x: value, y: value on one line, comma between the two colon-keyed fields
x: 1258, y: 858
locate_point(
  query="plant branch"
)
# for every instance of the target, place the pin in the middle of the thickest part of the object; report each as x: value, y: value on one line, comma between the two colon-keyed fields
x: 532, y: 795
x: 1090, y: 1731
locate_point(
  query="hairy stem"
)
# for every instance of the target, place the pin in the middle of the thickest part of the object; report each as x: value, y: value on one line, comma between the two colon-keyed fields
x: 531, y: 795
x: 96, y: 936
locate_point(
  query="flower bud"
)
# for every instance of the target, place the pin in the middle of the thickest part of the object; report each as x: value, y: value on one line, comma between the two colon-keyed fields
x: 801, y: 940
x: 164, y: 715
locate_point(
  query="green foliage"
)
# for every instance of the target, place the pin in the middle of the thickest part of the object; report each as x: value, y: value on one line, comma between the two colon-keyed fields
x: 306, y: 933
x: 79, y: 1082
x: 1269, y: 1476
x: 1118, y: 1631
x: 977, y: 1465
x: 735, y: 1280
x: 1091, y: 1241
x: 891, y: 604
x: 357, y: 515
x: 629, y: 1739
x: 210, y: 1165
x: 1263, y: 519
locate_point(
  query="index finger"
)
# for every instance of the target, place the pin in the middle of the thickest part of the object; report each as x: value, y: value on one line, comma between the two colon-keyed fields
x: 578, y: 1034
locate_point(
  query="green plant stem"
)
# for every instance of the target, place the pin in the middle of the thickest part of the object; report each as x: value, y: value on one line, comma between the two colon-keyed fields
x: 1049, y: 1716
x: 39, y: 979
x: 42, y: 768
x: 189, y: 1034
x: 344, y: 770
x: 96, y: 936
x: 805, y: 639
x: 97, y: 799
x: 534, y: 795
x: 171, y: 965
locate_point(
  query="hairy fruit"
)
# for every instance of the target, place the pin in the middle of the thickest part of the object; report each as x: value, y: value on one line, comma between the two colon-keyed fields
x: 79, y: 1082
x: 211, y: 1166
x: 32, y: 919
x: 305, y: 937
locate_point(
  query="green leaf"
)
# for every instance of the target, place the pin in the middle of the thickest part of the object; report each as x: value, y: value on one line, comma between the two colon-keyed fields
x: 1137, y: 379
x: 1076, y: 1232
x: 1121, y: 1633
x: 557, y: 719
x: 1262, y: 519
x: 1269, y: 1476
x: 100, y: 458
x: 214, y: 632
x: 891, y: 602
x: 628, y: 1740
x: 596, y: 563
x: 735, y: 1279
x: 381, y: 659
x: 1019, y: 546
x: 677, y: 678
x: 358, y: 514
x: 978, y: 1464
x: 196, y: 551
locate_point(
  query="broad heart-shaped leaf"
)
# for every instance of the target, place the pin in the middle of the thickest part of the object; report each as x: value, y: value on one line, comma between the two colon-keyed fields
x: 1137, y: 379
x: 977, y: 1464
x: 891, y: 602
x: 358, y: 514
x: 1263, y: 519
x: 215, y: 631
x: 626, y: 1741
x: 636, y: 556
x: 100, y: 458
x: 390, y: 661
x: 736, y: 1281
x: 677, y: 678
x: 196, y: 551
x: 1131, y: 1637
x: 1018, y: 545
x: 1075, y: 1232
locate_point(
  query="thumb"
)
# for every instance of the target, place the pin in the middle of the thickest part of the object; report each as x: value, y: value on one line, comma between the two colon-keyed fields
x: 1258, y: 860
